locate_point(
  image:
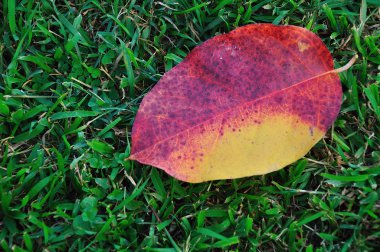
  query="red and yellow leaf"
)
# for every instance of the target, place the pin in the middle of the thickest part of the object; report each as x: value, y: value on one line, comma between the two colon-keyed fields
x: 244, y: 103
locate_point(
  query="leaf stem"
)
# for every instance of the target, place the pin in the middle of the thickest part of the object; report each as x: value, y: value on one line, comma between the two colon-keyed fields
x: 347, y: 66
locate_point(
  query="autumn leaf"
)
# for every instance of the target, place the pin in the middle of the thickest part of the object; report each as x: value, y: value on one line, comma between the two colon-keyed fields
x: 244, y: 103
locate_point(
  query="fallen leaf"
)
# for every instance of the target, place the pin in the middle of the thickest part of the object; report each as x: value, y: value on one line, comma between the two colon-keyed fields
x: 245, y: 103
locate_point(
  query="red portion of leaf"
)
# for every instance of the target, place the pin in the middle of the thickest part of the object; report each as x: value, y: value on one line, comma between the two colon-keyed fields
x: 245, y: 67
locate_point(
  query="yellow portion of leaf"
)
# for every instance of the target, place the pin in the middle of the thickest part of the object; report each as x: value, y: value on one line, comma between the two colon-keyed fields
x: 254, y: 149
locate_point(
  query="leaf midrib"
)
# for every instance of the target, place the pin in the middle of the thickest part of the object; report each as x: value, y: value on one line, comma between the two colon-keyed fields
x: 233, y: 108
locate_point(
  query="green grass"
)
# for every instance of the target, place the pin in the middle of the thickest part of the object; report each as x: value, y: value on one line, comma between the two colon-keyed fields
x: 72, y: 76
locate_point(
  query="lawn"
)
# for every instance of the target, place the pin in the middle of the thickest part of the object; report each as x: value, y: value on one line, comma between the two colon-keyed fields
x: 73, y: 74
